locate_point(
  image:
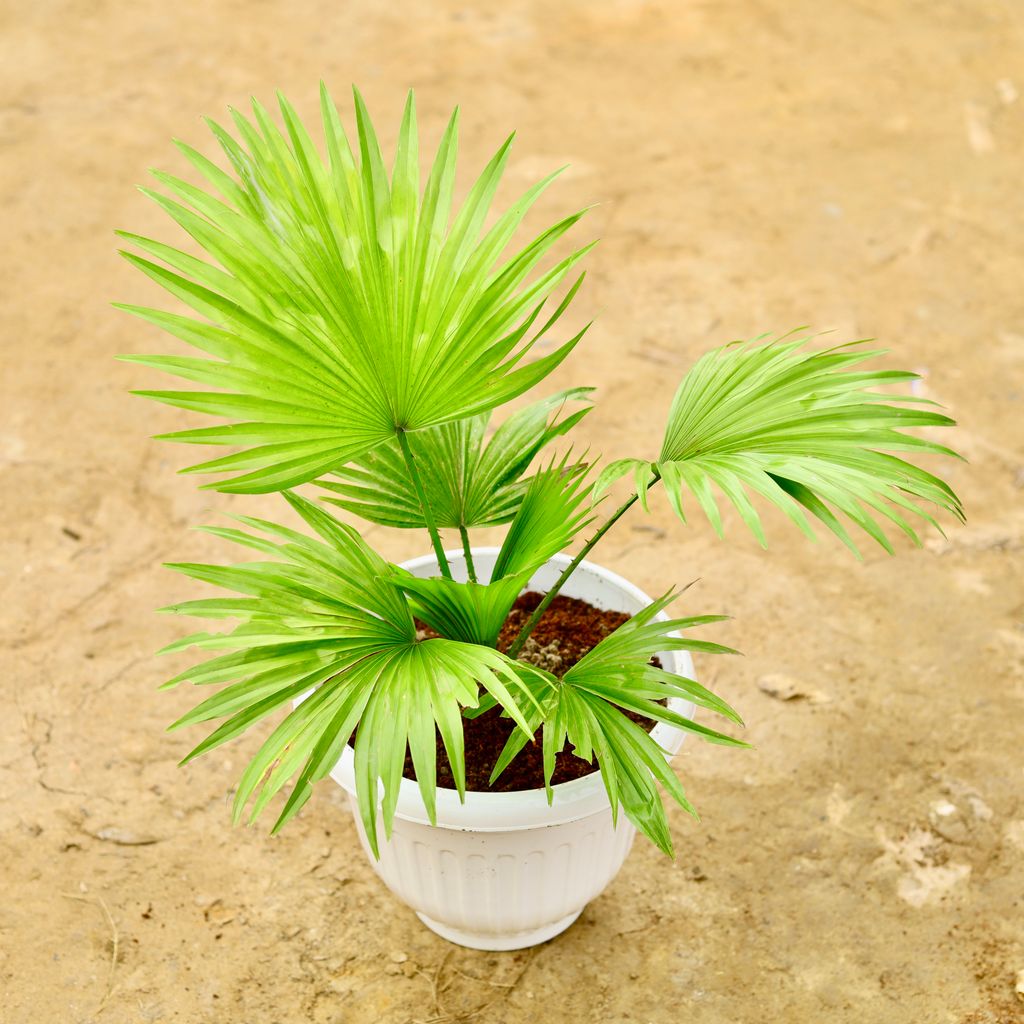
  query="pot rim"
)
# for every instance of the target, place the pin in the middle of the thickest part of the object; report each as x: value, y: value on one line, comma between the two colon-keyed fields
x: 484, y: 811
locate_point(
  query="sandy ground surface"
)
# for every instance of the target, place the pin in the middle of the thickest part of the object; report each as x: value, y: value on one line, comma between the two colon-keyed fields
x: 758, y: 164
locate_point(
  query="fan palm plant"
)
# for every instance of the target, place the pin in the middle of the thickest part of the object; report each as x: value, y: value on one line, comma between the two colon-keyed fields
x: 359, y: 333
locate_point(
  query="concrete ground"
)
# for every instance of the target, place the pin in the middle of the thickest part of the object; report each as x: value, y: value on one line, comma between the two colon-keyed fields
x: 757, y: 165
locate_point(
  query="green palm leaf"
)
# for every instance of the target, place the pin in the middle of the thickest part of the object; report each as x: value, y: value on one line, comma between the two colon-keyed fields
x: 584, y: 708
x: 340, y: 305
x: 468, y: 483
x: 471, y: 612
x: 320, y: 617
x: 552, y: 513
x: 804, y: 430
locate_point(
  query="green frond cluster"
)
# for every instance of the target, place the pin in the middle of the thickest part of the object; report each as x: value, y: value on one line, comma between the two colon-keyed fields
x: 322, y: 617
x: 357, y: 331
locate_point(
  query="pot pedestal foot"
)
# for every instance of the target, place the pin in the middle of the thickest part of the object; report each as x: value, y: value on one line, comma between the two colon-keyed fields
x: 501, y: 940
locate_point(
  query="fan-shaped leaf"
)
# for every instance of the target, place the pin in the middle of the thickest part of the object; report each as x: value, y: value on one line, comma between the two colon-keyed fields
x: 802, y: 429
x: 585, y: 709
x: 343, y: 308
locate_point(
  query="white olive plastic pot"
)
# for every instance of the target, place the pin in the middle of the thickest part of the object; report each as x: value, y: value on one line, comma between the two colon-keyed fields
x: 506, y: 870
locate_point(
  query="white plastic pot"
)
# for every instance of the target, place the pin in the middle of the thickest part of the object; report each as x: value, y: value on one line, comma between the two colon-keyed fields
x: 506, y: 870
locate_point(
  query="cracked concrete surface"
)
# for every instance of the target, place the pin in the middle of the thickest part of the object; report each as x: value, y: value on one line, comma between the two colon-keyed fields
x: 757, y: 164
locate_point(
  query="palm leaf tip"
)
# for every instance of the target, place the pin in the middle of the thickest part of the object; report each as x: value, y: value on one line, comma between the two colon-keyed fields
x: 808, y: 431
x: 333, y: 294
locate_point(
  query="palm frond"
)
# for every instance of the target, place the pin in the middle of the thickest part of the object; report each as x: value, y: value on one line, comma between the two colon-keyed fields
x: 802, y: 429
x: 468, y: 483
x: 471, y: 612
x: 552, y: 513
x: 341, y: 306
x: 320, y: 617
x: 585, y: 709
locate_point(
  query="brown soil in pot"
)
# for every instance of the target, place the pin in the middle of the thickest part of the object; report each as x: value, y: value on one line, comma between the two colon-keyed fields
x: 569, y: 628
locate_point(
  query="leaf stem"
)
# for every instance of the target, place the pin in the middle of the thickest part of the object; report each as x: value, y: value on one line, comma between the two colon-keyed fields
x: 531, y: 623
x: 468, y: 552
x: 428, y: 516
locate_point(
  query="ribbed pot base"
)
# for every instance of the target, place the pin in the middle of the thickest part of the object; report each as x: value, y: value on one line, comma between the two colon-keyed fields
x: 503, y: 941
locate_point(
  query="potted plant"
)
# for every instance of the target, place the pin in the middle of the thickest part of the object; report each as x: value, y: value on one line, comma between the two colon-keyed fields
x: 358, y: 335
